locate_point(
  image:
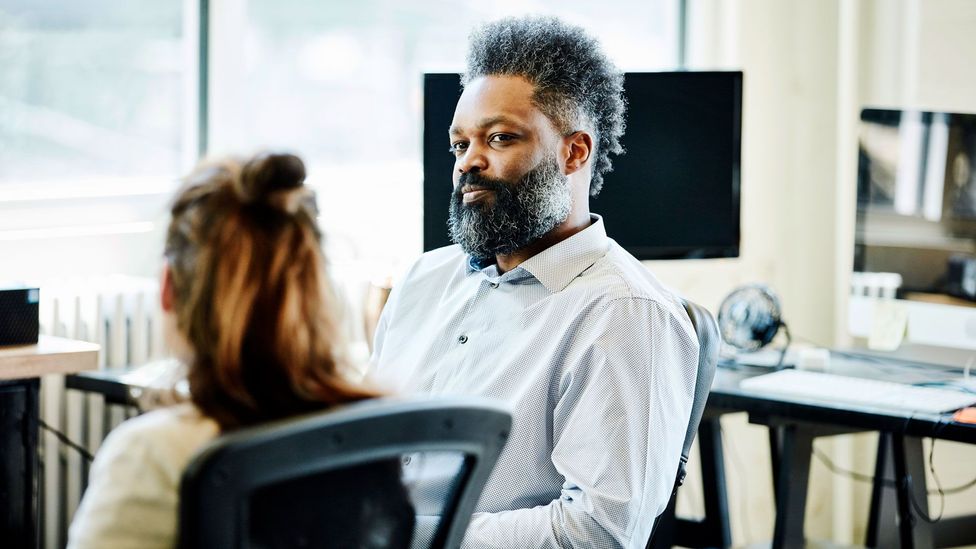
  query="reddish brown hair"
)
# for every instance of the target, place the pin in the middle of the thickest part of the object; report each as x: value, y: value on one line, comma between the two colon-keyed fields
x: 251, y: 293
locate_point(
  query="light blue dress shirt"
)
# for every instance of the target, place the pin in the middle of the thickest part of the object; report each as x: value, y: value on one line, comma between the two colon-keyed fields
x: 595, y: 357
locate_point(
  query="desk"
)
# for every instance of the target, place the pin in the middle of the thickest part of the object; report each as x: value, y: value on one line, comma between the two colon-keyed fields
x: 793, y: 424
x: 20, y: 369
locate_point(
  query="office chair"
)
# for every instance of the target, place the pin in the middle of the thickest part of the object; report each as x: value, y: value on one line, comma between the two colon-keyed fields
x: 334, y: 479
x: 708, y: 341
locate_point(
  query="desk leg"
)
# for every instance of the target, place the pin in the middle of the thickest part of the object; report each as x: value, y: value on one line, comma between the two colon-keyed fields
x: 18, y: 470
x: 882, y: 526
x: 713, y: 478
x: 775, y: 451
x: 909, y: 461
x: 791, y: 487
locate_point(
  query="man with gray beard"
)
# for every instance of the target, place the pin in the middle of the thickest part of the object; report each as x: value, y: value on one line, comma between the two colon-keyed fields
x: 519, y: 213
x: 535, y: 306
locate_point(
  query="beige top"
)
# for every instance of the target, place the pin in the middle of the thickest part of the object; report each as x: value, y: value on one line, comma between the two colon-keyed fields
x: 132, y: 500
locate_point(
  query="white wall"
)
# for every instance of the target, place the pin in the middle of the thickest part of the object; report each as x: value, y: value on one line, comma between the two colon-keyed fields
x: 809, y: 69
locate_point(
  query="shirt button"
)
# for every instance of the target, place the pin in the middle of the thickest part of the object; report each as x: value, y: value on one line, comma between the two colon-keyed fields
x: 494, y: 284
x: 463, y: 339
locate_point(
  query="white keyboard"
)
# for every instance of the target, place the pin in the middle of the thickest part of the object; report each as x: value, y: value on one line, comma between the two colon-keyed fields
x: 854, y: 390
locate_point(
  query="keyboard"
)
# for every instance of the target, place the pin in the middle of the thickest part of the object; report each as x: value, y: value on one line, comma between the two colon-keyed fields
x: 859, y: 391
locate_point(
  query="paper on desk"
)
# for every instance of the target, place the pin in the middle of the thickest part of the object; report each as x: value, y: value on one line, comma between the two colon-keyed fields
x: 888, y: 325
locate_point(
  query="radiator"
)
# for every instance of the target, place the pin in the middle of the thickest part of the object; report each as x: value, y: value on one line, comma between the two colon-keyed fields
x: 122, y: 315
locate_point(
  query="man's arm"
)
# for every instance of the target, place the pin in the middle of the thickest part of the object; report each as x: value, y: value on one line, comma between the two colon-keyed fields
x: 618, y: 425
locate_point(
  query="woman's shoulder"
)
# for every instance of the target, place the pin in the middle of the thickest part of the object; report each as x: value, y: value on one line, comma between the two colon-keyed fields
x: 132, y: 495
x: 173, y: 433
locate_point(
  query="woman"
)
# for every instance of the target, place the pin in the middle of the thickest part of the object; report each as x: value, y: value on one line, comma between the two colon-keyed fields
x: 248, y: 309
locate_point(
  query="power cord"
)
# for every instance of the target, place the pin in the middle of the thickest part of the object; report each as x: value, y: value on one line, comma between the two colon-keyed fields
x: 66, y: 441
x: 960, y: 488
x: 861, y: 477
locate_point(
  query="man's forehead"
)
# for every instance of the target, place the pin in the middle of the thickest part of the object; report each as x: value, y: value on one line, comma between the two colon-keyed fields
x: 490, y: 100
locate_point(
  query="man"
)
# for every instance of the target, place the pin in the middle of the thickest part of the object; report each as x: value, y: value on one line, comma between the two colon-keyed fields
x: 536, y: 307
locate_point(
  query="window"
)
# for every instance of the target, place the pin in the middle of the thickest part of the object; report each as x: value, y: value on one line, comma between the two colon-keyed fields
x: 340, y: 83
x: 91, y: 91
x: 100, y: 100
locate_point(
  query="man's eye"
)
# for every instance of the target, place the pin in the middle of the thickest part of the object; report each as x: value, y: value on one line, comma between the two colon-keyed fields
x: 501, y: 138
x: 458, y: 147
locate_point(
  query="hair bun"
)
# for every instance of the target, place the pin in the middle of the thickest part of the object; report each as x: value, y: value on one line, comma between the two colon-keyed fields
x: 269, y: 172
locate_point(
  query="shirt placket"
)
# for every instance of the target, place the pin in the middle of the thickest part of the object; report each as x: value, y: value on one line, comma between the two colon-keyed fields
x: 463, y: 337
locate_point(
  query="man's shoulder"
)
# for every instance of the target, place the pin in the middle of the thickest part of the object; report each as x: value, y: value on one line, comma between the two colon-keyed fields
x: 442, y: 260
x: 621, y: 276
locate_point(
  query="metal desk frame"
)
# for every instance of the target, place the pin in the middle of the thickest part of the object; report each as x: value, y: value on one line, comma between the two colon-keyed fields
x: 793, y: 425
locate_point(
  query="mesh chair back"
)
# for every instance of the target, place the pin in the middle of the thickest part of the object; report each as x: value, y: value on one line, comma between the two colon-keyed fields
x: 708, y: 342
x: 335, y: 480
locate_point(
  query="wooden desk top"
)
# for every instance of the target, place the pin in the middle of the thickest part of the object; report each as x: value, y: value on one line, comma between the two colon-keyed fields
x: 51, y: 355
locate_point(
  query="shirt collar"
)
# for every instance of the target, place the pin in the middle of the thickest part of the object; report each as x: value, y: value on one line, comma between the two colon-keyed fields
x: 557, y: 266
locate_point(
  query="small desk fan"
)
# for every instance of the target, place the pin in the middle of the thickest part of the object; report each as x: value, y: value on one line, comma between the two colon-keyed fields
x: 750, y: 317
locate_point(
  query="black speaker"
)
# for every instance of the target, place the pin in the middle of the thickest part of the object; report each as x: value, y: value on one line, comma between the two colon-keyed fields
x: 961, y: 277
x: 19, y: 315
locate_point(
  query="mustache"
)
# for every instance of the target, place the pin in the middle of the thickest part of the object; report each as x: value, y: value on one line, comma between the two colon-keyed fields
x: 476, y: 179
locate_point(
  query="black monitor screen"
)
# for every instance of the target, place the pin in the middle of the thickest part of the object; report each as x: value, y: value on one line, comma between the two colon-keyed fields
x: 673, y: 195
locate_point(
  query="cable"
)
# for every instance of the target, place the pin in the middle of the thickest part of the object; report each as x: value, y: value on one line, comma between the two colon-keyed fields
x: 789, y: 340
x: 918, y: 508
x: 961, y: 488
x: 938, y: 484
x: 65, y: 440
x: 861, y: 477
x: 945, y: 385
x: 731, y: 364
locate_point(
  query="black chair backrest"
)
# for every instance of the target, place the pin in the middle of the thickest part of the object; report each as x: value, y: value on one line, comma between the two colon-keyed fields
x: 334, y: 479
x: 708, y: 343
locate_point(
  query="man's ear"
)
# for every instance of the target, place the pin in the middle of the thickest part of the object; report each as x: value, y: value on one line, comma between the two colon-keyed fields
x: 167, y: 294
x: 580, y: 145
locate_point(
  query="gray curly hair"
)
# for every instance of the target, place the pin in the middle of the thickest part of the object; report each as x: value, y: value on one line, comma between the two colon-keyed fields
x: 576, y: 85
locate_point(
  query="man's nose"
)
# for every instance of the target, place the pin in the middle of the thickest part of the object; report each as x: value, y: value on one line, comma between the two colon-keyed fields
x: 473, y: 160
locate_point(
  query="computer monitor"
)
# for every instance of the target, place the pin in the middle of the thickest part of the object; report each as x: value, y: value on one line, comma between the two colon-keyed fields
x: 915, y: 237
x: 673, y: 195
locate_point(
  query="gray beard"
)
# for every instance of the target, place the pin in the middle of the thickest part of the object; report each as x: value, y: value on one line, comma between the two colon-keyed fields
x: 521, y: 212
